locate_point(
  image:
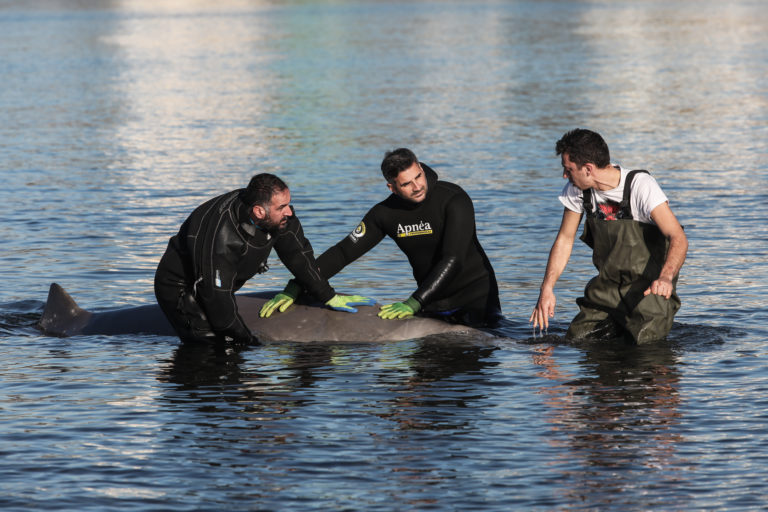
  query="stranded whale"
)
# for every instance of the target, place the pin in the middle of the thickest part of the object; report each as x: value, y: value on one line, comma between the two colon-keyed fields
x: 300, y: 323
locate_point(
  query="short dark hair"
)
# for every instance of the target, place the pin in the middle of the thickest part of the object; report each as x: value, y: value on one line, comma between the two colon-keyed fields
x: 397, y: 161
x: 261, y: 188
x: 583, y: 147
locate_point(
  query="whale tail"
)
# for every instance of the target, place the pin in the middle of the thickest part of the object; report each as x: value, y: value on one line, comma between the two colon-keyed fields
x: 61, y: 315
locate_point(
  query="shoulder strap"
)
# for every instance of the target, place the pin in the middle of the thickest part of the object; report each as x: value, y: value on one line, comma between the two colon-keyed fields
x: 625, y: 207
x: 586, y: 196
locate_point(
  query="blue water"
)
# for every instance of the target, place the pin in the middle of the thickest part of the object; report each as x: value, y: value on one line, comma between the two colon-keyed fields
x: 118, y: 118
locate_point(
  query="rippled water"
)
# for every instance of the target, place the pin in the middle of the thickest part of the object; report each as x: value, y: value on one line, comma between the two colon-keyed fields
x: 120, y: 117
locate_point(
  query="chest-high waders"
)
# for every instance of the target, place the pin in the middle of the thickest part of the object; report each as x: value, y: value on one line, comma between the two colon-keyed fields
x: 628, y: 255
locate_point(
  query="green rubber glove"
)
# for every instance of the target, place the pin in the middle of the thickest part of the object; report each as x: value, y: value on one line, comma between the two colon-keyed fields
x: 344, y: 302
x: 281, y: 301
x: 400, y: 309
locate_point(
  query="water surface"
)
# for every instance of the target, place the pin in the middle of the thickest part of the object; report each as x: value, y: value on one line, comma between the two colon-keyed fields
x: 120, y: 117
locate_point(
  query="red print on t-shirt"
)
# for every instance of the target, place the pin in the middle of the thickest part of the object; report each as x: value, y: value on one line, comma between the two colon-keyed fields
x: 608, y: 210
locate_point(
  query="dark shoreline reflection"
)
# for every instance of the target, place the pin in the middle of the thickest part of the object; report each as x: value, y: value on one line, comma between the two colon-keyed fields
x: 615, y: 422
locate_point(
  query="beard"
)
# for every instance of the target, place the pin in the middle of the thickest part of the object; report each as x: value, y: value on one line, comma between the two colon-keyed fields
x: 274, y: 227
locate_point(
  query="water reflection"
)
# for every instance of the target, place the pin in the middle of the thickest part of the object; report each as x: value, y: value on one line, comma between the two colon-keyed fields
x: 122, y: 116
x: 615, y: 421
x: 423, y: 377
x: 197, y: 365
x: 444, y: 379
x: 239, y: 405
x: 426, y: 385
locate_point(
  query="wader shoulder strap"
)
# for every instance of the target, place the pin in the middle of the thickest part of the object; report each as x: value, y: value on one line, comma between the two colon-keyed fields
x: 586, y: 196
x: 625, y: 207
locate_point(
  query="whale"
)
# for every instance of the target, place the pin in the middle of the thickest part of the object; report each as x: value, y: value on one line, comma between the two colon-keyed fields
x: 303, y: 322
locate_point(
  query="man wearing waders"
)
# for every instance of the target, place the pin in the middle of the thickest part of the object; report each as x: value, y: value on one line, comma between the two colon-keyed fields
x: 638, y: 246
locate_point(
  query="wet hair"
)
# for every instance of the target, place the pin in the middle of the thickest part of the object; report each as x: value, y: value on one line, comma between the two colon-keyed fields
x: 583, y: 147
x: 396, y: 162
x: 260, y: 190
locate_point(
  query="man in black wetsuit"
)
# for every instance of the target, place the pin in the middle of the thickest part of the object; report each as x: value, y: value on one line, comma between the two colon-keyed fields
x: 433, y: 223
x: 224, y: 243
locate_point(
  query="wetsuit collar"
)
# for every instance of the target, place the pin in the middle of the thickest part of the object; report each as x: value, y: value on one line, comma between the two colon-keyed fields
x: 431, y: 179
x: 247, y: 224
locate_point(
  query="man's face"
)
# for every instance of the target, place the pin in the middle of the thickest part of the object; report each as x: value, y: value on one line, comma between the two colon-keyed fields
x: 573, y: 173
x: 410, y: 184
x: 279, y: 211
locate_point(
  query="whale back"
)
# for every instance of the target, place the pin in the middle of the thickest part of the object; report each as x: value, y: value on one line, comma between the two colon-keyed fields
x: 312, y: 322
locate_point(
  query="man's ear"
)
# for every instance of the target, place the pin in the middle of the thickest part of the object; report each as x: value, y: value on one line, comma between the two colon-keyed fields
x: 259, y: 212
x: 391, y: 187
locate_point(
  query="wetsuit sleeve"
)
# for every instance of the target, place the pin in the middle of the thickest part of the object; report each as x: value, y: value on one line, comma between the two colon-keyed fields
x: 215, y: 290
x: 459, y: 233
x: 365, y: 237
x: 295, y: 251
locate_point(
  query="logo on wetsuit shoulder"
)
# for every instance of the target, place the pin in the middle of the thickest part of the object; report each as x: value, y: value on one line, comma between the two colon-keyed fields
x: 358, y: 232
x: 422, y: 228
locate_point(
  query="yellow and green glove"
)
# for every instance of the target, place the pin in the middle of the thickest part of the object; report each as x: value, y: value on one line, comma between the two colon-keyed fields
x: 281, y: 301
x: 403, y: 309
x: 345, y: 302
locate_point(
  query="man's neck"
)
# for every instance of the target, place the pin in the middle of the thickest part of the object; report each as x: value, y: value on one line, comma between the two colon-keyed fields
x: 607, y: 178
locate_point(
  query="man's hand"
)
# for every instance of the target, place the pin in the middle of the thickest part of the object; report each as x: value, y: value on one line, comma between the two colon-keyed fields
x: 344, y: 302
x: 544, y: 310
x: 400, y: 309
x: 661, y: 286
x: 280, y: 301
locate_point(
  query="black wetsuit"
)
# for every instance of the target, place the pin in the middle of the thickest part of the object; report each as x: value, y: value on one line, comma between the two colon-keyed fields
x: 454, y: 276
x: 216, y: 251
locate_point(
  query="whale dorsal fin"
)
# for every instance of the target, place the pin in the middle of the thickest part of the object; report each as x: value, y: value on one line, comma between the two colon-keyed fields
x: 61, y: 315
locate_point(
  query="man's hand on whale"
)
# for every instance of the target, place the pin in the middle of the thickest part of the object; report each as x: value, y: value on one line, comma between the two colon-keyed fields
x: 283, y: 300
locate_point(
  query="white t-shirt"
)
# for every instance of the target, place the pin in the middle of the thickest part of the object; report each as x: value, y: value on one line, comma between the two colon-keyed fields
x: 646, y: 195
